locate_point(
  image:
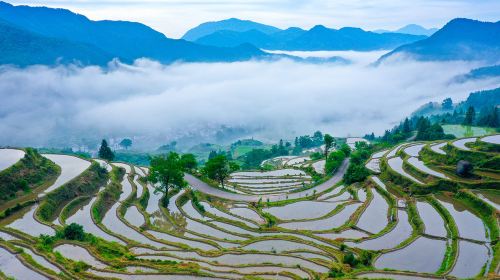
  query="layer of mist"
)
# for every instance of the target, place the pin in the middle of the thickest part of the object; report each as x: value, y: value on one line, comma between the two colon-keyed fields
x: 205, y: 102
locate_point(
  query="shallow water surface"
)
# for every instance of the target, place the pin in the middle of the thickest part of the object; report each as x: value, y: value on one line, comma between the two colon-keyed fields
x: 422, y: 167
x: 468, y: 224
x: 423, y: 255
x: 247, y: 213
x: 374, y: 218
x: 396, y: 163
x: 332, y: 222
x: 471, y: 259
x: 301, y: 210
x: 79, y: 254
x: 494, y: 139
x: 379, y: 275
x: 278, y: 246
x: 373, y: 165
x: 461, y: 143
x: 489, y: 197
x: 115, y: 225
x: 9, y: 157
x: 346, y: 234
x: 29, y: 225
x: 433, y: 222
x: 190, y: 243
x: 414, y: 150
x: 438, y: 148
x: 12, y: 267
x: 397, y: 235
x: 134, y: 217
x: 273, y: 173
x: 71, y: 167
x: 83, y: 218
x: 41, y: 260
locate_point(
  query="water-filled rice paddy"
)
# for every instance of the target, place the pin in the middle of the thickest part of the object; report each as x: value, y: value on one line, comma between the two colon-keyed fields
x: 232, y: 236
x: 9, y: 157
x: 423, y: 255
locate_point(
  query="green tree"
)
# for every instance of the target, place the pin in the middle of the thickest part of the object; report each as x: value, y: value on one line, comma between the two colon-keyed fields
x: 74, y: 232
x: 126, y: 143
x: 406, y: 126
x: 447, y: 104
x: 329, y: 140
x: 469, y: 116
x: 166, y: 172
x: 217, y: 168
x: 105, y: 151
x: 188, y: 161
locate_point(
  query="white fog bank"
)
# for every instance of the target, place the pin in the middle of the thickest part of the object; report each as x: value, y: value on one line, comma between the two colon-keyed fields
x: 272, y: 100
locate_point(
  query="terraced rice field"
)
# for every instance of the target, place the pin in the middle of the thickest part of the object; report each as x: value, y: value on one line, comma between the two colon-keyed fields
x: 278, y: 225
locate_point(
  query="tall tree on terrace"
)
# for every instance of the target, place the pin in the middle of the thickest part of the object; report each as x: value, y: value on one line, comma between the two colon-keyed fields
x: 166, y: 172
x: 217, y: 168
x: 406, y: 126
x: 105, y: 151
x: 328, y: 139
x: 469, y: 116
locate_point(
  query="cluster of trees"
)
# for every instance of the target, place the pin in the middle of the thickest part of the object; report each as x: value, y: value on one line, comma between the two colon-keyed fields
x: 397, y: 134
x: 255, y: 157
x: 428, y: 132
x: 335, y: 159
x: 307, y: 142
x: 357, y: 172
x: 486, y: 116
x: 425, y: 127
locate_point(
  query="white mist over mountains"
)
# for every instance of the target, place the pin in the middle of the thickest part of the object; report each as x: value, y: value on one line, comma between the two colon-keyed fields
x: 270, y: 100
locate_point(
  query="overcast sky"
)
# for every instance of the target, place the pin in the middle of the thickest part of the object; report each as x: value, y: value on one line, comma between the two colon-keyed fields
x: 175, y: 17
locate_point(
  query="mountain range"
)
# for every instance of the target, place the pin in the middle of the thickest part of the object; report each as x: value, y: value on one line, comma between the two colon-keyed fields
x: 40, y: 35
x: 412, y: 29
x: 459, y: 39
x: 233, y: 32
x: 57, y: 31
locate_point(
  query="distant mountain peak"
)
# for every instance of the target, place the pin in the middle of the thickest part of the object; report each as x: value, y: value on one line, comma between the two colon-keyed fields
x: 459, y: 39
x: 411, y: 29
x: 231, y: 24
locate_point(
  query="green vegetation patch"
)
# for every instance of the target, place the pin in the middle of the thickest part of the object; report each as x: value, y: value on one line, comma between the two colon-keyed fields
x: 109, y: 196
x: 467, y: 131
x: 86, y: 184
x: 30, y: 172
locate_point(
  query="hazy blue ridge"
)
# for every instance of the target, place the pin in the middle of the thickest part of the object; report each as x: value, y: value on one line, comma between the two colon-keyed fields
x: 412, y: 29
x: 232, y: 24
x: 22, y: 48
x: 460, y: 39
x: 121, y: 39
x: 317, y: 38
x: 481, y: 73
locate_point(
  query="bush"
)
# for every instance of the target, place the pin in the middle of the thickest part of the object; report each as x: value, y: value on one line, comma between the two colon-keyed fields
x: 334, y: 161
x: 350, y: 259
x: 316, y: 156
x: 73, y: 232
x: 355, y: 173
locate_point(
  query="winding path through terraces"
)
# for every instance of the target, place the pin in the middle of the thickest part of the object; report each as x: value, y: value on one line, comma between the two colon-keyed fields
x: 197, y: 184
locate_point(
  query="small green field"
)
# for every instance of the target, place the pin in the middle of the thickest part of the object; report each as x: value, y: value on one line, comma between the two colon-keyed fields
x: 467, y: 131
